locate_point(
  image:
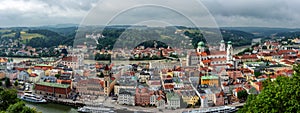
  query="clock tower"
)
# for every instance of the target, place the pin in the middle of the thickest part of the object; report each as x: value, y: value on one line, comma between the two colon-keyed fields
x: 229, y: 52
x: 106, y: 80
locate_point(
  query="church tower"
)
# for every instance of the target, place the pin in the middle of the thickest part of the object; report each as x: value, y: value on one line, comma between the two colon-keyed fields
x: 106, y: 80
x: 222, y: 46
x: 201, y: 47
x: 229, y: 52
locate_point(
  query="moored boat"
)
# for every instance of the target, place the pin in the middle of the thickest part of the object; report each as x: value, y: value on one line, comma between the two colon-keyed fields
x: 33, y: 98
x: 95, y: 109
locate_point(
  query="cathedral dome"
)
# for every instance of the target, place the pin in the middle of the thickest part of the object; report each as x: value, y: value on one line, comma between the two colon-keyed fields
x: 201, y: 44
x: 229, y: 42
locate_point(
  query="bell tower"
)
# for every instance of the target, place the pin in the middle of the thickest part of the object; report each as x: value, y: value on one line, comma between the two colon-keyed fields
x: 222, y: 46
x: 229, y: 52
x: 201, y: 47
x: 106, y: 80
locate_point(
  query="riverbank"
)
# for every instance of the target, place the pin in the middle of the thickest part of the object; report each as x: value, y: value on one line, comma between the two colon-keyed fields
x: 58, y: 108
x: 52, y: 108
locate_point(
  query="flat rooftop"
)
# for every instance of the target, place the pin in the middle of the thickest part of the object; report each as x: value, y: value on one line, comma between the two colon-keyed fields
x: 209, y: 77
x: 53, y: 84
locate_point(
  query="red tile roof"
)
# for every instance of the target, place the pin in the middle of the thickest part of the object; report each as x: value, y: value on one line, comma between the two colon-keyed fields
x: 69, y: 59
x: 169, y: 86
x: 206, y: 61
x: 253, y: 56
x: 33, y: 75
x: 217, y: 53
x: 285, y: 51
x: 202, y: 53
x: 234, y: 74
x: 238, y: 89
x: 218, y: 59
x: 3, y: 60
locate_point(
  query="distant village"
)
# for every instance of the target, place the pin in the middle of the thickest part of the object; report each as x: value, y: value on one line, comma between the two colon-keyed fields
x: 207, y: 77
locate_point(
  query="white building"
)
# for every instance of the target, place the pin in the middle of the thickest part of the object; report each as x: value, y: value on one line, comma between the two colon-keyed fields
x: 143, y: 77
x: 204, y: 102
x: 36, y: 75
x: 153, y: 99
x: 160, y: 103
x: 126, y: 97
x: 173, y: 100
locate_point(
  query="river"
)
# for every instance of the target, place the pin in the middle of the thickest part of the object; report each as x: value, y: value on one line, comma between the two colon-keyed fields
x: 52, y: 108
x: 58, y: 108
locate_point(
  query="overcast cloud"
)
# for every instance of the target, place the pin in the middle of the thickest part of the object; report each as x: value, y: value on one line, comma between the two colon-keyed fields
x: 259, y: 13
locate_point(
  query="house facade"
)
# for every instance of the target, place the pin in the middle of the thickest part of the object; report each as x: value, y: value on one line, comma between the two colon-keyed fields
x: 173, y: 100
x: 53, y: 89
x: 90, y: 87
x: 204, y: 102
x: 142, y: 96
x: 126, y: 97
x: 210, y: 80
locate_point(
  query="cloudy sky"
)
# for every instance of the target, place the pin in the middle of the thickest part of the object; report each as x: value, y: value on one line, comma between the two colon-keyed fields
x: 229, y: 13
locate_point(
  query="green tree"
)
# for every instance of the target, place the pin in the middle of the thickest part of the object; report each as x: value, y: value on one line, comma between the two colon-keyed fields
x: 7, y: 97
x: 257, y: 73
x: 16, y: 83
x: 242, y: 95
x: 57, y: 75
x: 1, y: 83
x: 7, y: 82
x: 281, y: 95
x: 20, y: 107
x: 101, y: 75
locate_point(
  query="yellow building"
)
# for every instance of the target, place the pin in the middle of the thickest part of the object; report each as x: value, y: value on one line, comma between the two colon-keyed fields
x: 170, y: 72
x: 166, y: 73
x: 192, y: 100
x: 29, y: 71
x: 269, y: 58
x: 210, y: 80
x: 47, y: 72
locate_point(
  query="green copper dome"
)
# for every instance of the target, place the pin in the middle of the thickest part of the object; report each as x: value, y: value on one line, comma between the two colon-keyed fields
x: 229, y: 42
x: 201, y: 43
x: 222, y: 41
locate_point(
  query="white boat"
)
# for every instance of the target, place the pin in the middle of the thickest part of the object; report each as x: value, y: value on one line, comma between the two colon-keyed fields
x: 95, y: 109
x: 32, y: 98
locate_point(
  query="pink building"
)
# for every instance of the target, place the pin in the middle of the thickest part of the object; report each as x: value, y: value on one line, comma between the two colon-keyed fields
x: 142, y: 96
x: 219, y: 99
x: 70, y: 62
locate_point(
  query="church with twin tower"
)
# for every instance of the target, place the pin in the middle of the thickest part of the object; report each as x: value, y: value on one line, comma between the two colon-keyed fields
x: 203, y: 56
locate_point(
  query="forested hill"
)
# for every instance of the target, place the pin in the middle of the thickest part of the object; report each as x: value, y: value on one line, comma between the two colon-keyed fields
x: 295, y: 34
x: 51, y: 39
x: 239, y: 38
x: 36, y: 37
x: 53, y: 36
x: 262, y: 31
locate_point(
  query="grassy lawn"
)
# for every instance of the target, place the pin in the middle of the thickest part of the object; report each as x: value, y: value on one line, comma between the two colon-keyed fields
x: 9, y: 35
x: 4, y: 30
x: 25, y: 35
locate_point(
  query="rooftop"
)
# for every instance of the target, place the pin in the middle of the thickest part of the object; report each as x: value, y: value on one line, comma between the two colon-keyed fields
x: 209, y: 77
x: 42, y: 65
x: 53, y: 84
